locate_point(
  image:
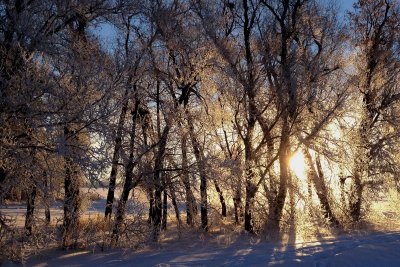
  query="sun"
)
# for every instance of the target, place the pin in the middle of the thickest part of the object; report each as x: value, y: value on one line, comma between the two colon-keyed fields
x: 298, y: 165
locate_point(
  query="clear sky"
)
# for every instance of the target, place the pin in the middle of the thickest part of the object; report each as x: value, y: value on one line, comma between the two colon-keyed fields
x: 346, y: 4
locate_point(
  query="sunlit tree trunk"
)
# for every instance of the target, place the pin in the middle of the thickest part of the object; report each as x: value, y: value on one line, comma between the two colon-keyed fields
x: 316, y: 177
x: 276, y: 209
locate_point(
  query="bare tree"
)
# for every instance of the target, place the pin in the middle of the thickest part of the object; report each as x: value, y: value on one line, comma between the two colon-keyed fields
x: 375, y: 31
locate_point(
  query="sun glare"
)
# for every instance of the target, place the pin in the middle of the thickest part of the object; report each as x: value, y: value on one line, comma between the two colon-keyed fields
x: 298, y: 165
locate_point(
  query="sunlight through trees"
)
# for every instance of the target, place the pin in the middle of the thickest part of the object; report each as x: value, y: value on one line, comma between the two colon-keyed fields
x: 263, y: 116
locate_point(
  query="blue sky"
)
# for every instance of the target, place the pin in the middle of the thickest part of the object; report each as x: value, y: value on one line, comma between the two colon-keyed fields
x: 108, y: 34
x: 346, y: 4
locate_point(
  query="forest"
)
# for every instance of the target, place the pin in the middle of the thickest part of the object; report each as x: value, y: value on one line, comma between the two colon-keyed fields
x: 127, y: 122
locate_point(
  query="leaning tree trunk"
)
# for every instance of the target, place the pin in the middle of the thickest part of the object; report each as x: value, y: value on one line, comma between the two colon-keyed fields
x: 115, y: 158
x: 221, y: 198
x: 175, y: 205
x: 129, y: 182
x: 316, y: 177
x: 324, y: 196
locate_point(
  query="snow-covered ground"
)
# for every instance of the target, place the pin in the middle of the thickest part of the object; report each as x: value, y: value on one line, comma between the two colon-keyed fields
x: 227, y: 248
x: 377, y: 249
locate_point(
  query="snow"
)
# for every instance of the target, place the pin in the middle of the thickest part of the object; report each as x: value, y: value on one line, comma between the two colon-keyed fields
x: 227, y: 247
x: 374, y: 249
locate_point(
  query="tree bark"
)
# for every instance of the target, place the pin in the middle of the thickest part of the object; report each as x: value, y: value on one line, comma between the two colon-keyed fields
x: 157, y: 209
x: 250, y: 193
x: 71, y: 205
x: 30, y: 208
x: 72, y: 183
x: 250, y: 93
x: 151, y: 205
x: 129, y: 183
x: 276, y: 205
x: 361, y: 164
x: 237, y: 204
x: 191, y: 207
x: 175, y: 205
x: 199, y: 155
x: 221, y: 198
x: 115, y: 159
x: 317, y: 178
x: 164, y: 209
x: 47, y: 198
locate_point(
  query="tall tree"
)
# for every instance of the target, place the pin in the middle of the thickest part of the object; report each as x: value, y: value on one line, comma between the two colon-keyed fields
x: 375, y: 31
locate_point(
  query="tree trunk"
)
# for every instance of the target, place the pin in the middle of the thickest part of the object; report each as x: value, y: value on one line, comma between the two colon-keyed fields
x: 157, y: 210
x: 175, y: 205
x: 250, y: 193
x: 164, y: 209
x: 361, y: 163
x: 199, y: 155
x: 3, y: 176
x: 317, y: 178
x: 324, y: 196
x: 72, y: 183
x: 129, y: 183
x: 191, y: 207
x: 251, y: 188
x: 276, y: 205
x: 151, y: 205
x: 251, y: 111
x: 356, y: 197
x: 115, y: 159
x: 47, y: 198
x: 30, y: 208
x: 237, y: 204
x: 221, y: 199
x: 71, y: 205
